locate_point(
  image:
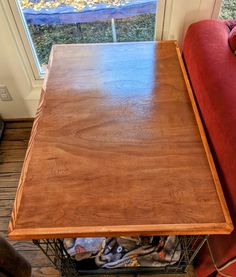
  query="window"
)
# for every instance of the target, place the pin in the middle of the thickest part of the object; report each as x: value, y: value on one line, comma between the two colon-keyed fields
x: 43, y: 23
x: 228, y: 9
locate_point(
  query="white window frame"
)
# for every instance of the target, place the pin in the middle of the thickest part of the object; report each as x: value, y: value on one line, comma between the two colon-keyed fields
x: 216, y: 9
x: 25, y: 44
x: 22, y: 38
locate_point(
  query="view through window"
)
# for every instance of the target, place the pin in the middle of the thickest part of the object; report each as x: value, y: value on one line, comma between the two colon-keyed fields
x: 228, y: 9
x: 87, y: 21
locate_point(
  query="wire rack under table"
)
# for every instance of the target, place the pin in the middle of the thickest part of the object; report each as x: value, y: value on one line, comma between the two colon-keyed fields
x: 55, y: 251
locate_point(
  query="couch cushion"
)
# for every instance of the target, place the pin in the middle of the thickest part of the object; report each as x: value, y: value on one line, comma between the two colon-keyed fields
x: 211, y: 66
x: 232, y: 39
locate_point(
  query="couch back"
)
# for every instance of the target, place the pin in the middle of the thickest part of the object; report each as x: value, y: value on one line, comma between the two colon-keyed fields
x: 211, y: 65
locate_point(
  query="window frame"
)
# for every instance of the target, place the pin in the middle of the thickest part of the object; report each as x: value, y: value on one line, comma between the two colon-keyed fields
x: 22, y: 37
x: 216, y: 9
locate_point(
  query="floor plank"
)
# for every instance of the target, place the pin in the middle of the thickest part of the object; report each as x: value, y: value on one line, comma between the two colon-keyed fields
x: 14, y: 144
x: 8, y: 178
x: 36, y: 258
x: 7, y: 193
x: 44, y: 272
x: 24, y: 245
x: 11, y: 167
x: 12, y: 155
x: 6, y: 207
x: 16, y: 134
x: 4, y: 221
x: 18, y: 124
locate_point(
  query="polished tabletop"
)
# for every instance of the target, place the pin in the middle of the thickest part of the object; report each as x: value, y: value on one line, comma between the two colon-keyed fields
x: 117, y: 148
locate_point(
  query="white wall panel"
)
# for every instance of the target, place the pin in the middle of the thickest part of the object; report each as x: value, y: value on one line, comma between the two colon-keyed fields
x: 185, y: 12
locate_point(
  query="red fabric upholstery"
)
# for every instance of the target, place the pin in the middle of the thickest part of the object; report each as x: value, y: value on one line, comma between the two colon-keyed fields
x: 212, y: 70
x: 232, y: 39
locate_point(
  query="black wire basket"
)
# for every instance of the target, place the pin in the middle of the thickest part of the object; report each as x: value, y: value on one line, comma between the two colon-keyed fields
x: 55, y: 251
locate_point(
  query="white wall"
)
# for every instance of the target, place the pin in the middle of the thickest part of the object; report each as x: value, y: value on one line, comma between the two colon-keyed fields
x: 13, y: 74
x: 181, y: 13
x: 15, y: 67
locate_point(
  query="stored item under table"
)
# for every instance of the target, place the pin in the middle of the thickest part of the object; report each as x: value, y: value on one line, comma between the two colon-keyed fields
x: 118, y: 149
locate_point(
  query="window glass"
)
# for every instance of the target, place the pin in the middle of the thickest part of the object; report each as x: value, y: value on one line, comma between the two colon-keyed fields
x: 87, y: 21
x: 228, y: 9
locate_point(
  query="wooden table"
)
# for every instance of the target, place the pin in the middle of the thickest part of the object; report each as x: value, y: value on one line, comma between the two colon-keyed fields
x: 117, y: 148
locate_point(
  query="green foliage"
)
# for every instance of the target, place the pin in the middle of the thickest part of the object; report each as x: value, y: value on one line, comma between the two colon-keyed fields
x: 228, y: 9
x: 136, y: 28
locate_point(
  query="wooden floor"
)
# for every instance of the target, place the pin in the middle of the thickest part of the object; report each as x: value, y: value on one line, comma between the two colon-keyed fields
x: 12, y: 151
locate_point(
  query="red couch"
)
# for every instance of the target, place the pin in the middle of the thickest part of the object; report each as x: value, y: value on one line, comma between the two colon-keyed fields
x: 211, y: 65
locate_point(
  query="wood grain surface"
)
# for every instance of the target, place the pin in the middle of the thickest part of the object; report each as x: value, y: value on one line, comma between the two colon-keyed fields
x: 115, y: 149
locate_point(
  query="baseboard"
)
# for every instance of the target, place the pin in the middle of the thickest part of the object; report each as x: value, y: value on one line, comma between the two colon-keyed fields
x: 1, y: 127
x: 19, y: 119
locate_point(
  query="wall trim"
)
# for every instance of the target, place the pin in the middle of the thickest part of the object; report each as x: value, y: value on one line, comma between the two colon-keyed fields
x: 160, y: 14
x: 168, y: 13
x: 34, y: 93
x: 20, y: 26
x: 15, y: 36
x: 216, y: 9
